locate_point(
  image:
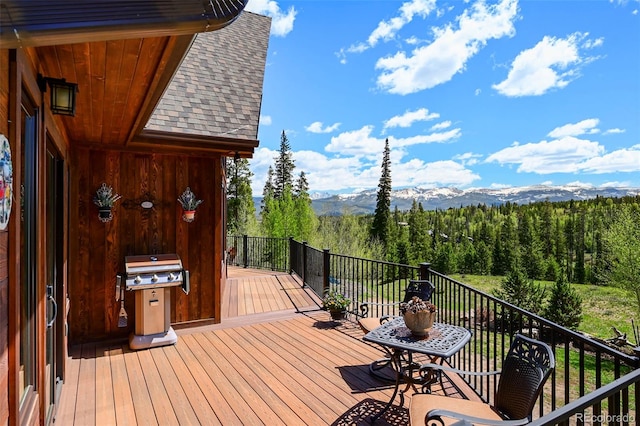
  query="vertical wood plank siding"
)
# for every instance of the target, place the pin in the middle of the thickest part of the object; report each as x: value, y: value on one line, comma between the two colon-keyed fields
x: 98, y: 250
x: 4, y: 267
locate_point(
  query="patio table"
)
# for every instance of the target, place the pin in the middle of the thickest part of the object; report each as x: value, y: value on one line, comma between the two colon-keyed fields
x: 442, y: 342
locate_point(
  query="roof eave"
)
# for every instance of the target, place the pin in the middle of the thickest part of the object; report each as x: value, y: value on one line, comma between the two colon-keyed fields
x: 24, y: 24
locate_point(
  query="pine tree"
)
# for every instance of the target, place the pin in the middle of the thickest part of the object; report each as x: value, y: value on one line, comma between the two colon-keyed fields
x: 522, y: 292
x: 267, y: 192
x: 580, y: 275
x: 241, y: 211
x: 382, y: 216
x: 302, y: 186
x: 565, y: 305
x: 307, y: 219
x: 283, y: 168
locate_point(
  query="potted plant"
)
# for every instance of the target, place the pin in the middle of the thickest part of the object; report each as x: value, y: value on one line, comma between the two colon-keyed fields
x: 104, y: 199
x: 336, y: 303
x: 418, y: 315
x: 189, y: 203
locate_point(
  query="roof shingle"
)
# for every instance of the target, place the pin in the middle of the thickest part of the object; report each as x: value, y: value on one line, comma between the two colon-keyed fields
x: 217, y: 90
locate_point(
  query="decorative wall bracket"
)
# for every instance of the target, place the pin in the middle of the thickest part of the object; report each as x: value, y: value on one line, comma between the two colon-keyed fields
x: 104, y: 199
x: 189, y: 204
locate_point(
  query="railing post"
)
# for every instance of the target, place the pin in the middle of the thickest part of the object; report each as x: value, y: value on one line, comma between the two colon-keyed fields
x: 304, y: 262
x: 326, y: 266
x: 245, y: 250
x: 291, y: 255
x: 425, y: 270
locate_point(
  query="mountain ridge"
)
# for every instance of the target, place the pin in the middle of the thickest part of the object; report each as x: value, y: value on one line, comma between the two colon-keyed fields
x: 364, y: 202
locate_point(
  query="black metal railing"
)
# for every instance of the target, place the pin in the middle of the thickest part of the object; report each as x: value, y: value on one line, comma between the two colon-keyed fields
x: 258, y: 252
x: 598, y: 383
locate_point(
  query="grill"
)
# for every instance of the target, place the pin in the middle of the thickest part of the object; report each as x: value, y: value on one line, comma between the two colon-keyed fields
x: 151, y: 279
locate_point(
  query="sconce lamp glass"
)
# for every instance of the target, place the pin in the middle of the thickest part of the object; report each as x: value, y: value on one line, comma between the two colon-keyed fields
x: 63, y: 94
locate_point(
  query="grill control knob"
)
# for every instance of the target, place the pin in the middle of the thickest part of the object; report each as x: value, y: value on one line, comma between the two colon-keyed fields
x: 154, y: 278
x: 137, y: 279
x: 171, y: 276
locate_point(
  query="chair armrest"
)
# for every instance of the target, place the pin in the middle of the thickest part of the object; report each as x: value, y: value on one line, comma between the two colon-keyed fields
x: 429, y: 367
x: 435, y: 417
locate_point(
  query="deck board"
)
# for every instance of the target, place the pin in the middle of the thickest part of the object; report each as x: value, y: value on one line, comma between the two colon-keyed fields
x: 105, y: 405
x: 284, y: 362
x: 124, y: 411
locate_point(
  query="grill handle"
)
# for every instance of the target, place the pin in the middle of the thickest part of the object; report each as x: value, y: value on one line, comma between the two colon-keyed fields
x: 186, y: 286
x: 118, y: 284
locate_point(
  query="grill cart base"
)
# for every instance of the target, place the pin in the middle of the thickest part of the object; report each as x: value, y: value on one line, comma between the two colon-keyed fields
x: 147, y: 341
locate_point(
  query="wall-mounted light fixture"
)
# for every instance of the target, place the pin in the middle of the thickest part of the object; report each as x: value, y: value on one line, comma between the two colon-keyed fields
x: 189, y: 203
x: 104, y: 199
x: 63, y: 94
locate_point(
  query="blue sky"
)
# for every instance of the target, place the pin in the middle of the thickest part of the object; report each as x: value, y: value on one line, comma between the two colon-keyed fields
x: 470, y: 94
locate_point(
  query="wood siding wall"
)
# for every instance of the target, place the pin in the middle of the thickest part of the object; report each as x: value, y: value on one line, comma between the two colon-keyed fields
x: 97, y: 250
x: 4, y: 255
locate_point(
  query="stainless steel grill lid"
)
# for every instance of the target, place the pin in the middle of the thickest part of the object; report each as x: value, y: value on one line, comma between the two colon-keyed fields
x: 153, y: 271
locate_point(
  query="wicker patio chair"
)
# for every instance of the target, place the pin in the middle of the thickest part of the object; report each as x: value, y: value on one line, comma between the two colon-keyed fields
x: 525, y: 370
x: 421, y: 288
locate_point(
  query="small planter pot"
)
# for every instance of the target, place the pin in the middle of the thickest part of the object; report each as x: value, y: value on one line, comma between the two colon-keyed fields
x: 104, y: 214
x: 420, y: 322
x: 337, y: 314
x: 188, y: 215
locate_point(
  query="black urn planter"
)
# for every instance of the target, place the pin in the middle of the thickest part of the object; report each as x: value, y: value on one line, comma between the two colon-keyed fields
x: 104, y: 213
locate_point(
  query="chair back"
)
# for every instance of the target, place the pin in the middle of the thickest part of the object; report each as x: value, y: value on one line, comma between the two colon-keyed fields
x: 525, y: 370
x: 421, y: 288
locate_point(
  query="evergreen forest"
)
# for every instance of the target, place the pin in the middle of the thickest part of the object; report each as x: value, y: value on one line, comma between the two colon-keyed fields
x: 593, y: 241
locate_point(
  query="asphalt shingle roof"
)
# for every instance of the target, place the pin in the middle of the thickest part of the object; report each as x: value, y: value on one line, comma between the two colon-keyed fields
x: 217, y: 90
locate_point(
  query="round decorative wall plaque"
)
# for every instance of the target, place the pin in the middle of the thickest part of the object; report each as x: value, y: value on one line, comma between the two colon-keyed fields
x: 6, y: 182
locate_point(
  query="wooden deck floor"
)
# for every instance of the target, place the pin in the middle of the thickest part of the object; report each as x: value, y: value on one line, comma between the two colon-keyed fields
x: 281, y: 367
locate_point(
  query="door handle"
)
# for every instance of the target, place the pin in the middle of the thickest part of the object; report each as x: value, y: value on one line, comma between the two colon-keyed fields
x: 54, y: 304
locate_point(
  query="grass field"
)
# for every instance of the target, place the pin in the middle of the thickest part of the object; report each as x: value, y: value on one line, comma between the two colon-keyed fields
x: 602, y: 307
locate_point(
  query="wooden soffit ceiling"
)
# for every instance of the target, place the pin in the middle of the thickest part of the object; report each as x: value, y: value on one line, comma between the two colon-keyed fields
x: 119, y: 83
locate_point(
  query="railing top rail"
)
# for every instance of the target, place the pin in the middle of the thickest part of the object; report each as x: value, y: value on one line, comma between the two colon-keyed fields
x: 577, y: 406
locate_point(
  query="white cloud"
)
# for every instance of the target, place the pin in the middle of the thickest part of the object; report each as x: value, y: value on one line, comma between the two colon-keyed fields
x: 613, y: 131
x: 437, y: 63
x: 568, y: 154
x: 316, y: 127
x: 616, y: 184
x: 557, y: 156
x: 584, y: 127
x: 439, y: 173
x: 281, y: 21
x: 347, y: 173
x: 441, y: 126
x: 409, y: 117
x: 468, y: 158
x: 553, y: 63
x: 387, y: 30
x: 622, y: 160
x: 579, y: 184
x: 443, y: 137
x: 356, y: 142
x: 500, y: 185
x: 265, y: 120
x: 361, y: 143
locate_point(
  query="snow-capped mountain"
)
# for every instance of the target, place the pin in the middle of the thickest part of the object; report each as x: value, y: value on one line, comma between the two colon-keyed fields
x: 443, y: 198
